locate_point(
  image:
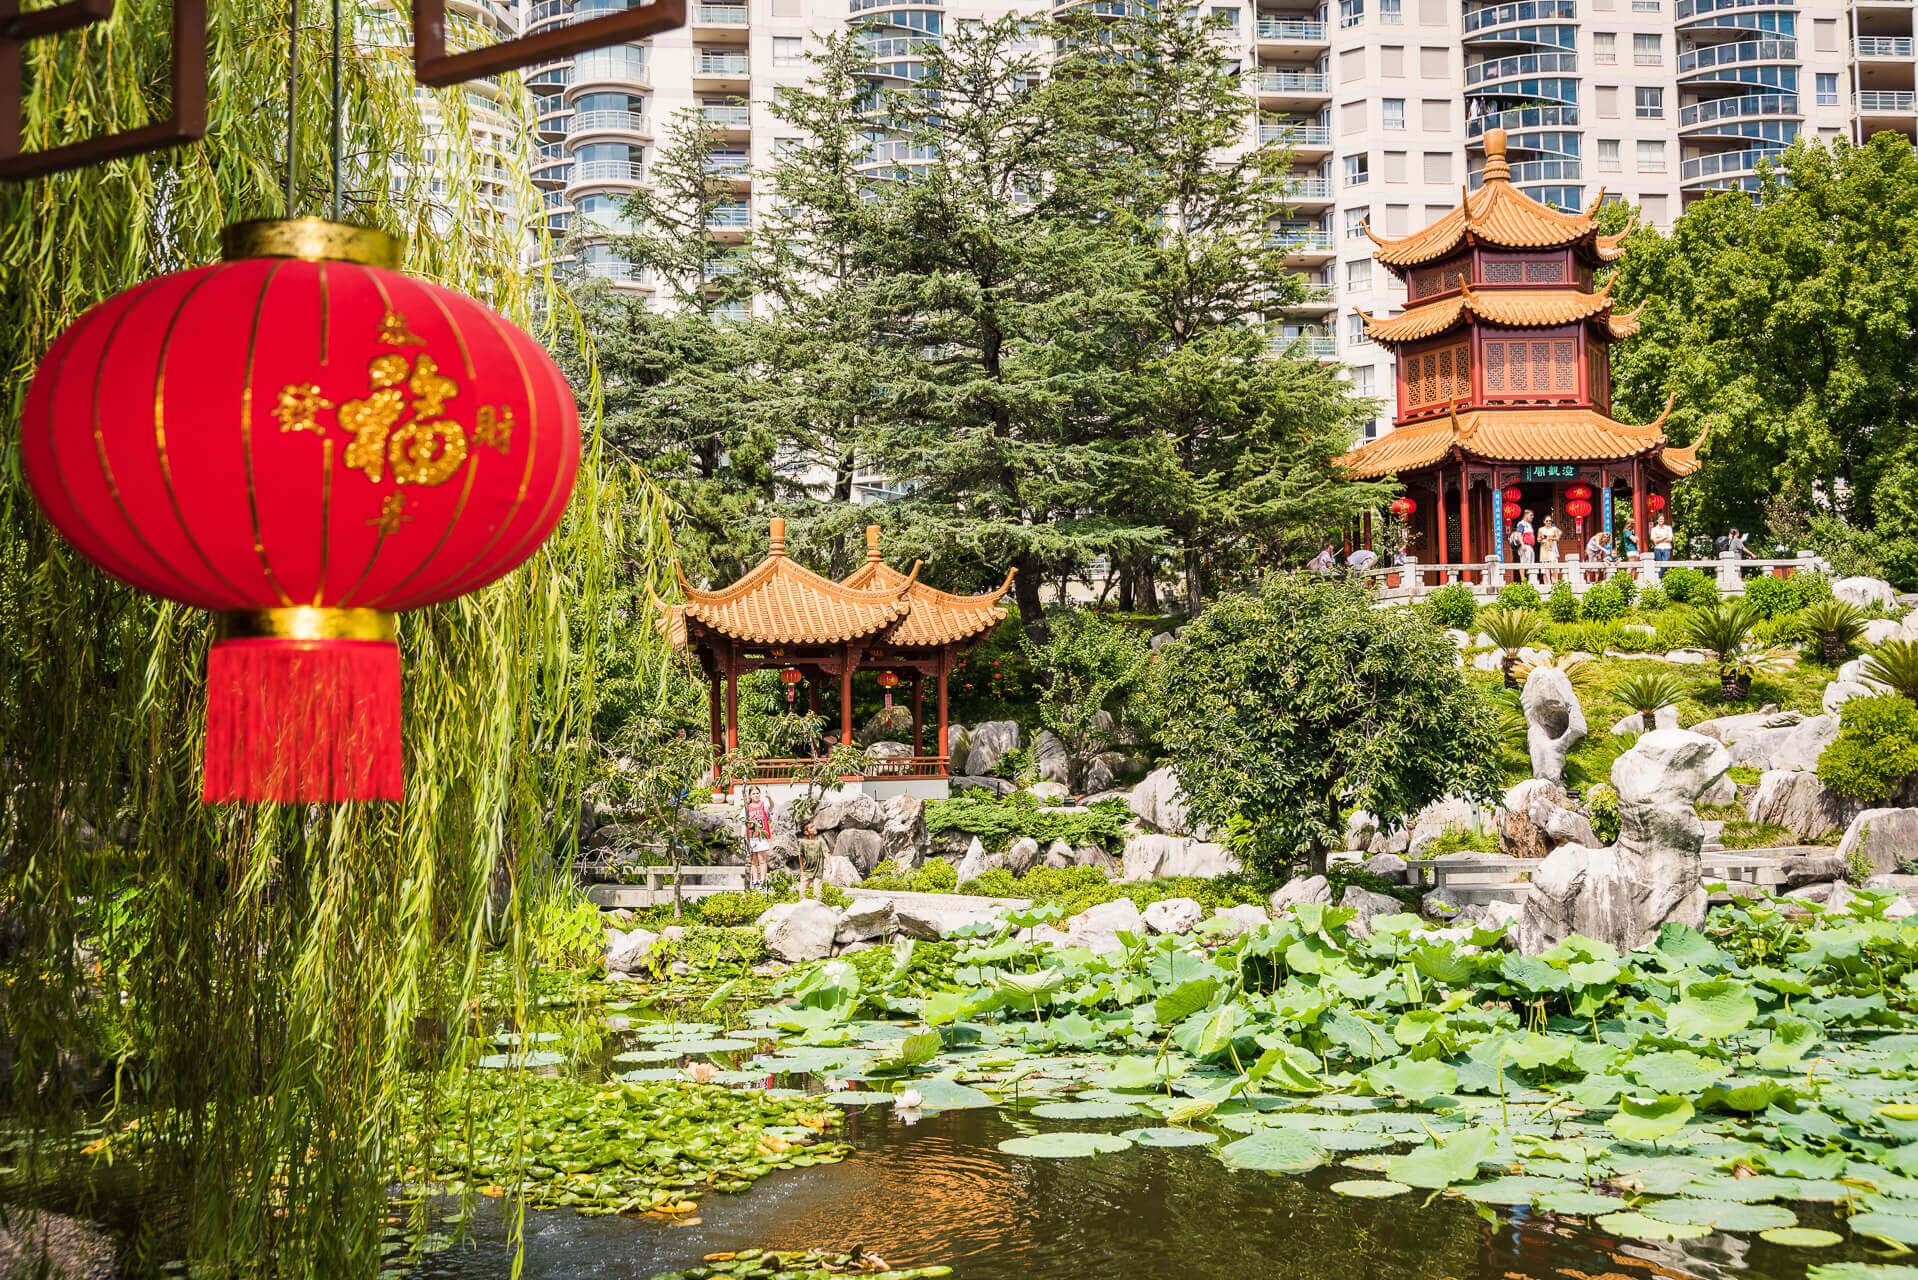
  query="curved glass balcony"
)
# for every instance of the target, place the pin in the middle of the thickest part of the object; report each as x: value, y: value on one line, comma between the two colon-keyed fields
x: 606, y: 122
x: 1526, y: 64
x: 1564, y: 117
x: 1688, y: 10
x: 1528, y: 172
x: 1533, y: 90
x: 560, y: 13
x: 1727, y: 164
x: 1725, y: 55
x: 1751, y: 106
x: 1504, y: 15
x: 623, y: 65
x: 608, y: 171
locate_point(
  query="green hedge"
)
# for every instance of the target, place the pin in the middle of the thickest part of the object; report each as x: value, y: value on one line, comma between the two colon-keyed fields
x: 1076, y: 888
x: 998, y: 822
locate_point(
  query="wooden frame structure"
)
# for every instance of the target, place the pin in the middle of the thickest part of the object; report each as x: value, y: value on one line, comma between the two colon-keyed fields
x: 1504, y: 376
x: 783, y: 615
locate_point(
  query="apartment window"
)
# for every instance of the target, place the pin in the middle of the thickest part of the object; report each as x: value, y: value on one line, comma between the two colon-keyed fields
x: 1647, y: 50
x: 1824, y: 34
x: 1608, y: 155
x: 1435, y: 64
x: 1397, y: 168
x: 1351, y: 12
x: 1646, y: 6
x: 1362, y: 381
x: 1648, y: 104
x: 1438, y: 167
x: 789, y: 51
x: 1391, y: 59
x: 1227, y: 18
x: 1827, y: 89
x: 1355, y: 223
x: 1392, y: 12
x: 1654, y: 207
x: 1358, y: 275
x: 1432, y: 13
x: 1352, y: 117
x: 1355, y: 330
x: 1351, y: 66
x: 1433, y: 212
x: 1605, y: 47
x: 1435, y: 114
x: 1604, y: 6
x: 1397, y: 216
x: 1392, y: 113
x: 1358, y: 170
x: 1651, y: 157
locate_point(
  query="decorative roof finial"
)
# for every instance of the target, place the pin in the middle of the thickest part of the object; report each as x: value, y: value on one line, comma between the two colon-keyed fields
x: 872, y: 544
x: 779, y: 536
x: 1496, y: 170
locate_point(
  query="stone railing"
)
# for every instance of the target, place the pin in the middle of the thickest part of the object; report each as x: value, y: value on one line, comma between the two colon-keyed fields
x: 1409, y: 581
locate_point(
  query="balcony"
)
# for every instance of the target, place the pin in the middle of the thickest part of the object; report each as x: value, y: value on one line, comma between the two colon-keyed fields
x: 1316, y: 346
x: 1726, y: 55
x: 1887, y: 102
x: 598, y: 171
x: 1727, y: 164
x: 561, y: 13
x: 1300, y: 137
x: 728, y: 217
x: 1501, y: 15
x: 1528, y: 172
x: 1687, y: 10
x: 1882, y: 47
x: 633, y: 122
x: 733, y: 117
x: 1525, y: 64
x: 1309, y: 191
x: 1752, y: 106
x: 1293, y: 84
x: 1520, y: 118
x: 721, y: 66
x: 1291, y: 31
x: 1301, y: 242
x: 725, y: 23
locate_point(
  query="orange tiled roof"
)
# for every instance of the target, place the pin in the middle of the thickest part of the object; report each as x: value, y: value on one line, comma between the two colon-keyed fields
x: 1683, y: 461
x: 1518, y: 308
x: 937, y: 617
x: 1499, y: 214
x: 1517, y: 435
x: 781, y: 601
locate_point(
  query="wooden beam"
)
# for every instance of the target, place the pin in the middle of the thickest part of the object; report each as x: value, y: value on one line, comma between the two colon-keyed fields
x: 845, y: 700
x: 918, y: 714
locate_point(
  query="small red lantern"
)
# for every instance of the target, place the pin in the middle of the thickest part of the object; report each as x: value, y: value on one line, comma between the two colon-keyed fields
x: 1513, y: 510
x: 791, y: 677
x: 1404, y: 507
x: 1513, y: 495
x: 305, y: 442
x: 888, y: 680
x: 1655, y: 503
x: 1579, y: 491
x: 1578, y: 509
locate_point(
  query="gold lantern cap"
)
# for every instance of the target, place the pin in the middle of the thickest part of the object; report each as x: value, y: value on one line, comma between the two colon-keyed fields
x: 312, y: 240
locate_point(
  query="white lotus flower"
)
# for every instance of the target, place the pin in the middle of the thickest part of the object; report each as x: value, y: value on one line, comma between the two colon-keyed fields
x: 702, y: 1072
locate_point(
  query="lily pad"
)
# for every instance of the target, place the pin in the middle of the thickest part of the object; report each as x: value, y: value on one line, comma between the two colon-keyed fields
x: 1064, y: 1144
x: 1369, y: 1188
x: 1723, y: 1215
x: 1275, y: 1151
x: 1163, y: 1137
x: 1801, y: 1237
x: 1640, y: 1227
x: 1583, y: 1203
x: 524, y: 1061
x: 1084, y: 1110
x: 714, y: 1044
x: 1519, y: 1189
x: 1885, y: 1226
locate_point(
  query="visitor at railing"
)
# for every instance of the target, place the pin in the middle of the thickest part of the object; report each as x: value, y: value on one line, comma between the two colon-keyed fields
x: 1599, y: 553
x: 1548, y: 536
x: 1525, y: 541
x: 1361, y: 560
x: 1661, y: 541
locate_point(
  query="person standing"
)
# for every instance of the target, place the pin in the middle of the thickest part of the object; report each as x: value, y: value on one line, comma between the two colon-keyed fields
x: 1548, y: 536
x: 1525, y: 540
x: 812, y: 860
x: 1662, y: 540
x: 759, y: 836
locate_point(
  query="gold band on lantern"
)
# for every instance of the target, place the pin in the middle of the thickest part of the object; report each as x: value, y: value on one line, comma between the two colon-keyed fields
x: 312, y: 239
x: 306, y: 623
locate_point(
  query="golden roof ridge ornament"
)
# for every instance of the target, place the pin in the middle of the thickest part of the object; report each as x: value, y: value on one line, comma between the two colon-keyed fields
x: 1496, y: 169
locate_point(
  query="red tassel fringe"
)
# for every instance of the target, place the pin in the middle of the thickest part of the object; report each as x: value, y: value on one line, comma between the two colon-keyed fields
x: 302, y: 721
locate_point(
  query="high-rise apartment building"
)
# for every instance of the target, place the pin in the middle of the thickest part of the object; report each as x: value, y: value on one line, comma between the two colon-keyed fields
x: 1385, y: 104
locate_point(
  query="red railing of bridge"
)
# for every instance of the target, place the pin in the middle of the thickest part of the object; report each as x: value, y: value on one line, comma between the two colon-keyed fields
x: 886, y: 767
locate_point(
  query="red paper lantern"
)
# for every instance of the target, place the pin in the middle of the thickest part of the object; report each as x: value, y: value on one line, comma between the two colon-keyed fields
x: 1578, y: 509
x: 1513, y: 510
x: 305, y: 442
x: 1655, y: 503
x: 888, y: 680
x: 1513, y: 495
x: 1580, y: 491
x: 1403, y: 507
x: 791, y: 677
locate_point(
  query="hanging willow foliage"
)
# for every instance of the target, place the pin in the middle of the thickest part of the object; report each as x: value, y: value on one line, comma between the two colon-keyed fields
x: 243, y: 991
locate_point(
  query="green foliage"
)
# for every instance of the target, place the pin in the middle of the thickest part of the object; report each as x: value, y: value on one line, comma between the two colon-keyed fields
x: 1462, y: 840
x: 1601, y: 806
x: 1608, y: 600
x: 1744, y: 775
x: 935, y: 875
x: 1740, y: 834
x: 1894, y: 664
x: 1453, y: 607
x: 565, y: 930
x: 1876, y: 750
x: 999, y: 821
x: 1562, y: 604
x: 1722, y: 629
x: 1088, y: 666
x: 1807, y: 589
x: 1836, y: 623
x: 1286, y: 708
x: 722, y: 944
x: 1855, y: 551
x: 1685, y: 585
x: 1076, y: 888
x: 1652, y: 598
x: 1769, y: 596
x: 1645, y: 692
x: 1519, y: 595
x: 1510, y: 630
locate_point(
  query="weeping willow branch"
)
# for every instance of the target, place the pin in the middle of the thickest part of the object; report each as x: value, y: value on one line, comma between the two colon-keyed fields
x: 229, y: 1002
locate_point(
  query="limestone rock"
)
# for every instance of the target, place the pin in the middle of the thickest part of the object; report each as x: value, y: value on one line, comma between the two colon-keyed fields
x: 974, y: 864
x: 888, y: 724
x: 1023, y: 855
x: 1299, y: 891
x: 1148, y: 857
x: 1887, y: 838
x: 1800, y: 869
x: 1158, y: 802
x: 1173, y: 915
x: 1624, y: 894
x: 1098, y: 928
x: 1554, y: 722
x: 902, y: 832
x: 1360, y: 829
x: 1736, y: 732
x: 990, y: 742
x: 1666, y: 717
x: 1368, y: 904
x: 1799, y: 802
x: 1059, y: 855
x: 1795, y: 747
x: 1388, y: 865
x: 865, y: 919
x: 998, y: 786
x: 958, y: 744
x: 1050, y: 758
x: 1091, y: 855
x: 1863, y: 592
x: 854, y: 809
x: 1230, y: 922
x: 1102, y: 771
x: 1049, y: 790
x: 627, y: 952
x: 918, y: 922
x: 1839, y: 692
x: 859, y: 847
x: 1879, y: 630
x: 1431, y: 822
x: 1444, y: 904
x: 841, y: 872
x: 890, y: 751
x: 805, y: 932
x: 1724, y: 791
x: 1539, y: 818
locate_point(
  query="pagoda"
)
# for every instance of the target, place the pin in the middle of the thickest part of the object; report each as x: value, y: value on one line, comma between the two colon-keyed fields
x: 1504, y: 379
x: 821, y: 633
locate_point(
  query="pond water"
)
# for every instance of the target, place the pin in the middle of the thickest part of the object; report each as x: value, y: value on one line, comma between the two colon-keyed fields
x: 939, y: 1191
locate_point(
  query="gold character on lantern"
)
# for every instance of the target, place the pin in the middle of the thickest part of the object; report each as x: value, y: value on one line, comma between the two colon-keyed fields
x: 494, y: 427
x: 395, y: 332
x: 299, y: 407
x: 426, y: 452
x: 392, y: 514
x: 372, y: 418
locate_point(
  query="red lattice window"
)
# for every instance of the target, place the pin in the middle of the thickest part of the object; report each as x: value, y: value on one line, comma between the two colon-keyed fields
x: 1503, y: 271
x: 1534, y: 367
x: 1495, y: 367
x: 1435, y: 377
x: 1565, y: 366
x: 1548, y: 272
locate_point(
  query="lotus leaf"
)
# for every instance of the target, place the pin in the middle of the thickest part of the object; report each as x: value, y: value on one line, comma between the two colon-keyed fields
x: 1520, y: 1189
x: 1084, y: 1110
x: 1370, y: 1188
x: 1722, y: 1215
x: 1163, y: 1137
x: 1650, y: 1119
x: 1275, y: 1151
x: 1640, y: 1227
x: 1413, y: 1079
x: 1064, y: 1144
x: 530, y: 1061
x: 1440, y: 1164
x: 1584, y: 1203
x: 1801, y: 1237
x: 1898, y: 1227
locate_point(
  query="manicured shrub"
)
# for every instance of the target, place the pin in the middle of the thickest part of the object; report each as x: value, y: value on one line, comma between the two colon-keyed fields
x: 1691, y: 586
x: 1770, y: 596
x: 1562, y: 604
x: 1519, y: 595
x: 1452, y: 606
x: 1601, y: 806
x: 1877, y: 748
x: 1807, y: 589
x: 1625, y: 583
x: 1606, y: 601
x: 1630, y: 640
x: 1652, y: 598
x: 999, y: 822
x: 1742, y: 834
x: 935, y: 876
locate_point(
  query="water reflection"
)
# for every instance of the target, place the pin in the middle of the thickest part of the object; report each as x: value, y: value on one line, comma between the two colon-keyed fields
x: 940, y: 1191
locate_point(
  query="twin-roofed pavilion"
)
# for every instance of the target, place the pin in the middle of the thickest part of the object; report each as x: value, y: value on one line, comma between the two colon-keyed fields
x: 781, y: 614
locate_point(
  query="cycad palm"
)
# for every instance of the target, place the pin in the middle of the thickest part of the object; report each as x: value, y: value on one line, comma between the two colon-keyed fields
x: 1646, y: 692
x: 1511, y: 630
x: 1723, y: 630
x: 1894, y: 664
x: 1837, y: 624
